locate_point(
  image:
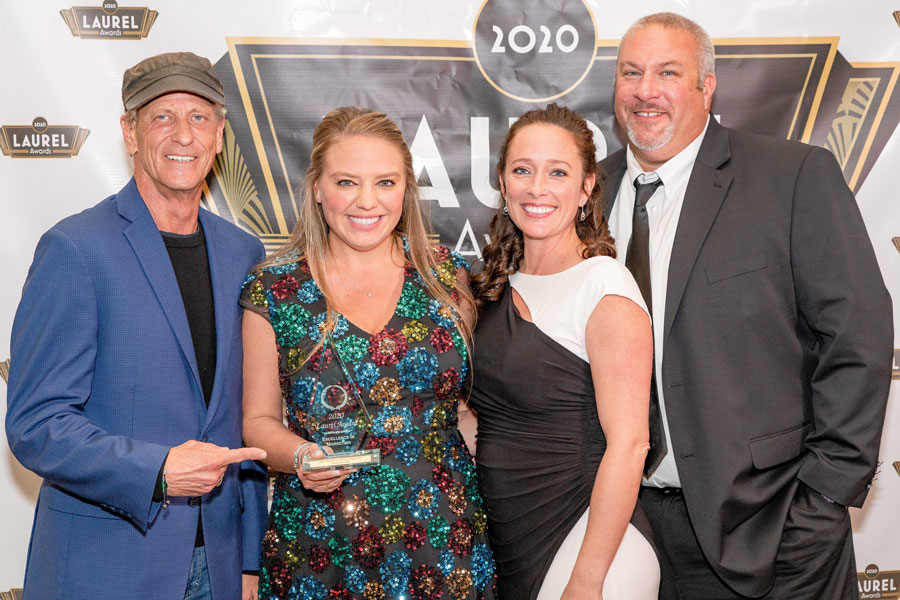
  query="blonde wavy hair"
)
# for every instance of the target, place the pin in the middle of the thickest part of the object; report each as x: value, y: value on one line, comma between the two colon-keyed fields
x: 309, y: 239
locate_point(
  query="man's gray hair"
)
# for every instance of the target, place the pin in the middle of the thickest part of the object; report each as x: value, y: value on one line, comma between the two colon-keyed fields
x: 706, y: 58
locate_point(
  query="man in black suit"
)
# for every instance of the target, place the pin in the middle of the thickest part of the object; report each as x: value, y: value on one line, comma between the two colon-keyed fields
x: 772, y: 331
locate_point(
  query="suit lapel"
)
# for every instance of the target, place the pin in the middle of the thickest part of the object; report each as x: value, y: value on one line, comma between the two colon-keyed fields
x: 146, y: 241
x: 703, y: 197
x: 224, y: 305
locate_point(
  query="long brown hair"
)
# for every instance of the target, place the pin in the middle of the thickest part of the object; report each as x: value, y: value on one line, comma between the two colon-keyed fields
x: 309, y: 240
x: 504, y: 253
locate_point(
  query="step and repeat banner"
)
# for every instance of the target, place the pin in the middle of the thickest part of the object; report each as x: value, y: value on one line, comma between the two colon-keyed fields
x: 452, y: 75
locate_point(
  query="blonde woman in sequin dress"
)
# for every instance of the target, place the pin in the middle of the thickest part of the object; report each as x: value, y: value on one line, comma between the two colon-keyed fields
x: 359, y: 266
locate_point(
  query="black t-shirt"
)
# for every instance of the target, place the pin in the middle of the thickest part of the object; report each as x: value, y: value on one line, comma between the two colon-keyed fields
x: 191, y: 264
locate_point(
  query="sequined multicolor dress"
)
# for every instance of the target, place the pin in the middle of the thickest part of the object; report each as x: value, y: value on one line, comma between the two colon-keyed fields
x: 413, y: 526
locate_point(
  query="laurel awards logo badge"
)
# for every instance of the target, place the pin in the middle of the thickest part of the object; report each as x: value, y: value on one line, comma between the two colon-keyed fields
x: 877, y: 584
x: 42, y: 140
x: 109, y: 21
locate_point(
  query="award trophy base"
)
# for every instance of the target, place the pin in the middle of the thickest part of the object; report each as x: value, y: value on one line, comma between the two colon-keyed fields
x: 350, y: 460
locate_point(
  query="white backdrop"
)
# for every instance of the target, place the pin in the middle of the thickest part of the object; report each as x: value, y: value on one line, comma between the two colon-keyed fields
x: 46, y: 71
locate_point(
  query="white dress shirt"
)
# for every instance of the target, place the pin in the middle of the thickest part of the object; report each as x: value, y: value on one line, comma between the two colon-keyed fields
x: 663, y: 211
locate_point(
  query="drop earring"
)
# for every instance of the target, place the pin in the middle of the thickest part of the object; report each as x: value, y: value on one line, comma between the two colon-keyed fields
x: 583, y: 216
x: 505, y: 206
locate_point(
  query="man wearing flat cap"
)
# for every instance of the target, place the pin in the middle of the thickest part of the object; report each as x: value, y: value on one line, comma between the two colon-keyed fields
x: 125, y: 381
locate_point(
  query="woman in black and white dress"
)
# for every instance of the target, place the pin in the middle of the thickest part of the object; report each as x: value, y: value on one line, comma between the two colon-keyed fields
x: 561, y: 377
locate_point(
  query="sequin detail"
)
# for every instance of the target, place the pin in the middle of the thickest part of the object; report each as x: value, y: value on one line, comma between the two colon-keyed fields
x: 366, y: 373
x: 258, y: 295
x: 284, y: 286
x: 457, y: 497
x: 386, y: 488
x: 386, y: 445
x: 318, y: 520
x: 387, y: 347
x: 393, y: 421
x: 461, y: 537
x: 446, y: 383
x: 289, y: 322
x: 308, y: 588
x: 373, y: 591
x: 409, y: 451
x: 414, y: 536
x: 413, y: 302
x: 459, y: 582
x: 483, y: 565
x: 386, y: 391
x: 427, y: 583
x: 442, y: 314
x: 303, y: 391
x: 317, y: 328
x: 440, y: 339
x: 479, y: 521
x: 424, y: 500
x: 395, y: 571
x: 459, y: 344
x: 432, y: 447
x: 438, y: 532
x: 352, y: 349
x: 355, y: 579
x: 458, y: 261
x: 356, y: 512
x: 287, y: 267
x: 414, y: 331
x: 392, y: 530
x: 309, y: 292
x: 288, y: 516
x: 446, y: 562
x: 318, y: 559
x: 368, y: 547
x: 456, y: 454
x: 341, y: 551
x: 295, y: 359
x: 417, y: 369
x: 446, y: 273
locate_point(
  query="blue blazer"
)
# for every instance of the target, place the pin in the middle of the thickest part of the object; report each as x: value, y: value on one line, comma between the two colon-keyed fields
x: 103, y: 382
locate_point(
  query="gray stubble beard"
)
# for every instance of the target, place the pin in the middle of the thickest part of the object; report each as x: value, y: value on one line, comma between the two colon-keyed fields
x: 648, y: 146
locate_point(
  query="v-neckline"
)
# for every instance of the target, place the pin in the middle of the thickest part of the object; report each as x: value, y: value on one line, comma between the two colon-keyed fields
x: 390, y: 319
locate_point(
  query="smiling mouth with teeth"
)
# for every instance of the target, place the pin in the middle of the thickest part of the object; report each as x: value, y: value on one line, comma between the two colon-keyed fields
x: 181, y: 158
x: 365, y: 221
x: 538, y: 210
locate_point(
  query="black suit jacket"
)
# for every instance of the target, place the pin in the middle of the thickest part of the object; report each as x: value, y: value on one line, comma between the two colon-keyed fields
x: 777, y: 343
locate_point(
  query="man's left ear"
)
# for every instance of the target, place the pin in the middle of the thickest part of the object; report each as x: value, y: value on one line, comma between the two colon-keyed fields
x: 709, y: 86
x: 220, y: 135
x: 128, y: 128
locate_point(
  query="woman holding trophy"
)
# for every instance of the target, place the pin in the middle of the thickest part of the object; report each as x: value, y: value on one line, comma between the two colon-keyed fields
x: 358, y: 330
x: 561, y: 378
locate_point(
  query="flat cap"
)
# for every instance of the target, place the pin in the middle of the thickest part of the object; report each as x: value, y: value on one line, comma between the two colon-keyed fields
x: 170, y: 72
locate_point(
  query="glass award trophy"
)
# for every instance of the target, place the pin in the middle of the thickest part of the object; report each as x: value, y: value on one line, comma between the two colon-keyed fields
x: 337, y: 419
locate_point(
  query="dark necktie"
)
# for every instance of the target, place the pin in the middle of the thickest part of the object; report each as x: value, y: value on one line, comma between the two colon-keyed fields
x: 637, y: 259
